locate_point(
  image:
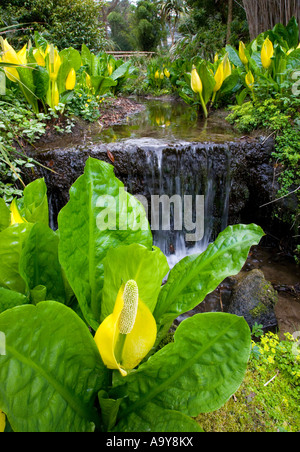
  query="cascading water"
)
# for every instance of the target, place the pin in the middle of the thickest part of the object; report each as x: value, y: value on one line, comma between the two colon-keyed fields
x: 182, y: 174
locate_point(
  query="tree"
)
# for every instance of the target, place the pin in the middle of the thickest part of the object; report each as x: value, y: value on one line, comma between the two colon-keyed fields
x: 263, y: 15
x: 229, y: 21
x: 171, y: 11
x: 147, y: 25
x: 66, y: 23
x: 106, y: 9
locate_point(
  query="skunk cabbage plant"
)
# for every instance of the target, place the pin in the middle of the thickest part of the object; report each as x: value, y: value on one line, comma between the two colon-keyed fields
x: 83, y: 313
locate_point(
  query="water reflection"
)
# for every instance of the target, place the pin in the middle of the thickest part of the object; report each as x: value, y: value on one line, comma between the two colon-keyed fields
x: 170, y: 120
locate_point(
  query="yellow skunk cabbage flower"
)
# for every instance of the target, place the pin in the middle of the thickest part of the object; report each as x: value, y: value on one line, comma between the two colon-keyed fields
x: 242, y: 55
x: 15, y: 216
x: 55, y: 63
x: 249, y: 80
x: 216, y: 57
x: 196, y: 83
x: 267, y: 52
x: 166, y: 72
x: 22, y: 55
x: 110, y: 69
x: 10, y: 56
x: 39, y: 57
x: 226, y: 67
x: 219, y: 78
x: 127, y: 335
x: 2, y: 421
x: 156, y: 75
x: 161, y: 76
x: 55, y: 95
x: 71, y: 80
x: 88, y: 81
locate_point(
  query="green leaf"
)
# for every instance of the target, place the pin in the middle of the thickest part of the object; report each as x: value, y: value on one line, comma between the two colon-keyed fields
x: 121, y: 71
x: 39, y: 264
x: 9, y: 299
x: 27, y: 86
x: 136, y: 262
x: 4, y: 215
x: 100, y: 215
x: 41, y: 80
x: 109, y: 409
x: 153, y: 418
x: 196, y: 276
x: 197, y: 373
x: 52, y: 370
x: 208, y: 82
x: 102, y: 84
x: 11, y: 243
x: 234, y: 57
x: 34, y: 204
x: 293, y: 60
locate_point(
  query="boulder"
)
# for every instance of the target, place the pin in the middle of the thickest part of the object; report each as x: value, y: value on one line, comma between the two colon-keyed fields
x: 254, y: 298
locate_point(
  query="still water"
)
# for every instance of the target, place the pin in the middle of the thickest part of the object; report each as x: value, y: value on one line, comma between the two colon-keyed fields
x: 172, y: 121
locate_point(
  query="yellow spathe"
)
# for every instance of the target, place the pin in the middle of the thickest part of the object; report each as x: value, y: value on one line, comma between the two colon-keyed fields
x: 267, y: 51
x: 137, y: 343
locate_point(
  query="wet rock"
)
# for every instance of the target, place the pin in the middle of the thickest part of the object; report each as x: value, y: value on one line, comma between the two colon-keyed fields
x: 254, y: 298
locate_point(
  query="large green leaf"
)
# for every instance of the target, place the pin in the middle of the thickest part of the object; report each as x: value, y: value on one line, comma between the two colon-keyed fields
x: 197, y: 373
x: 4, y: 215
x: 121, y: 71
x: 9, y: 299
x: 147, y: 268
x: 102, y: 84
x: 196, y: 276
x: 88, y: 230
x: 39, y: 264
x: 52, y: 369
x: 234, y: 56
x: 153, y: 418
x: 11, y: 243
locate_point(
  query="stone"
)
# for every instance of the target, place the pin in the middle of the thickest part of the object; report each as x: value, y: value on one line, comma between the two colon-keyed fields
x: 254, y: 298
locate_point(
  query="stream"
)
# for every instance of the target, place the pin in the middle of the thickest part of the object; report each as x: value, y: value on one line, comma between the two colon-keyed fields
x: 166, y: 149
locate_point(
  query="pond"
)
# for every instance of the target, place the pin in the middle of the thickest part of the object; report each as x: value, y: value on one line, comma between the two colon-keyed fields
x: 170, y: 120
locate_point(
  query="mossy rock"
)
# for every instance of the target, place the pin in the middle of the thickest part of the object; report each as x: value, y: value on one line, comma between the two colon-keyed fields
x: 254, y: 298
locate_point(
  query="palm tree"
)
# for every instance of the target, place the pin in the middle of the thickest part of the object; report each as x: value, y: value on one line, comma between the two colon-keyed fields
x: 171, y: 11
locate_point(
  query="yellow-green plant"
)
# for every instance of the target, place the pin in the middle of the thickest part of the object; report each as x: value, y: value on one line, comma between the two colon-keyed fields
x: 87, y: 351
x: 197, y: 87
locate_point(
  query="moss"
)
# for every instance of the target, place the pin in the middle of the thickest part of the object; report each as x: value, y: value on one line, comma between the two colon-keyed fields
x: 268, y: 399
x: 258, y: 310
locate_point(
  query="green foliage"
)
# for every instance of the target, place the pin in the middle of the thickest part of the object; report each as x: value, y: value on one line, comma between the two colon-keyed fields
x: 18, y: 124
x: 278, y: 116
x: 70, y: 379
x: 207, y: 359
x: 121, y: 30
x: 148, y: 26
x: 90, y: 192
x: 66, y: 23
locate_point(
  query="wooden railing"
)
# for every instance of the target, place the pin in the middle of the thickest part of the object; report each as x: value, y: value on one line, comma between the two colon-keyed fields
x: 126, y: 55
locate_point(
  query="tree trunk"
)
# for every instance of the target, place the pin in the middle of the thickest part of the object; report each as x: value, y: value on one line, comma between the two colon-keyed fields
x: 229, y: 22
x: 263, y: 15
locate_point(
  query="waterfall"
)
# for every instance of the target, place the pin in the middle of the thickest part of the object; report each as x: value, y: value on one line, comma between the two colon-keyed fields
x: 182, y: 173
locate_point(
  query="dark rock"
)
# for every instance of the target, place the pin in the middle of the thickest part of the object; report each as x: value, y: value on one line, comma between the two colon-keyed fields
x: 254, y: 298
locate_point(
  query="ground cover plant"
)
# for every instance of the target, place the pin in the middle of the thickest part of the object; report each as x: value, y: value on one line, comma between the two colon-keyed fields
x: 48, y: 313
x: 268, y: 399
